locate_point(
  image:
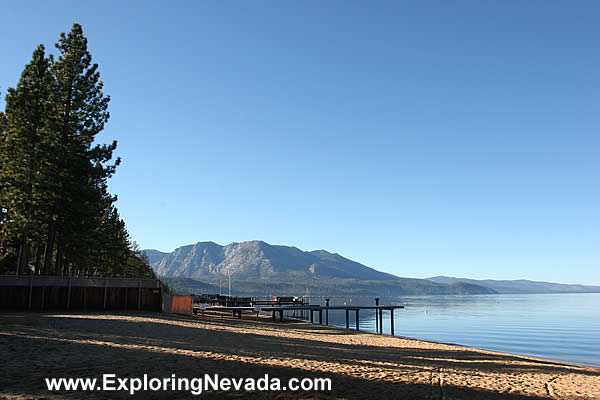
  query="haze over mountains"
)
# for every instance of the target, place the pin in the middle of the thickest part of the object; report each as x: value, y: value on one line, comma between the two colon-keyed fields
x: 260, y: 268
x: 520, y: 286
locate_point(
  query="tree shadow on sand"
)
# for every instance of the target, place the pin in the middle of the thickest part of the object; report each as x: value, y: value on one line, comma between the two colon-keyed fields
x: 63, y: 346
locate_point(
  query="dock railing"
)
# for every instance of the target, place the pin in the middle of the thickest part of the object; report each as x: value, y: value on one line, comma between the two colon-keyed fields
x: 311, y: 309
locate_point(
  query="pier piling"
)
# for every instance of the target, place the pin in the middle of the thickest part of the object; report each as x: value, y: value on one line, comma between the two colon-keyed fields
x: 376, y: 316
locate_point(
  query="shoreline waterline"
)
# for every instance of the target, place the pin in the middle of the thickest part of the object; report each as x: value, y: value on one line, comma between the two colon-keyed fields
x: 563, y: 327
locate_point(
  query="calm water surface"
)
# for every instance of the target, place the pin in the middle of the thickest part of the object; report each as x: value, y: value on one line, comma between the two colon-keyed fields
x: 561, y: 327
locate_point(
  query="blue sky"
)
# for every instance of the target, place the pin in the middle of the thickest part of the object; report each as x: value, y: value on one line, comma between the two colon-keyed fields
x: 423, y: 138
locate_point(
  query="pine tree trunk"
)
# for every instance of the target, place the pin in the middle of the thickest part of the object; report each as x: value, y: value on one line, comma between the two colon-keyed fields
x: 24, y: 261
x: 59, y: 258
x: 49, y: 247
x: 65, y: 267
x: 38, y: 259
x: 19, y: 259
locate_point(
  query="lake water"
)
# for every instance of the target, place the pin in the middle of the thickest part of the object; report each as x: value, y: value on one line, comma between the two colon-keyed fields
x: 560, y: 327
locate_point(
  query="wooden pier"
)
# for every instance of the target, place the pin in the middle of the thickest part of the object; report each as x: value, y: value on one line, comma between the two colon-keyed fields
x: 311, y: 309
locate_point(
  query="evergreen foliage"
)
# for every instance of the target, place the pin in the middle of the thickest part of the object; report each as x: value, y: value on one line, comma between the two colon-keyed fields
x: 57, y: 216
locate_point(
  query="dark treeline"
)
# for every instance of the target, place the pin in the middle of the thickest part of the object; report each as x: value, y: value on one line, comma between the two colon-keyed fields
x: 57, y: 216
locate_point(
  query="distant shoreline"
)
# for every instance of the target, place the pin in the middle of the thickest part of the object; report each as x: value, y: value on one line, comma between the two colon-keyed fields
x: 258, y: 267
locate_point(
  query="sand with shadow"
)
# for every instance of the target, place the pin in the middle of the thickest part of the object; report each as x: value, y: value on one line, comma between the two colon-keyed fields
x: 361, y: 365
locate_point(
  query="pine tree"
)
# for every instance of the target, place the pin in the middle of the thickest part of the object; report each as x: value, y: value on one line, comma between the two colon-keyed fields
x: 54, y: 198
x: 24, y: 154
x: 81, y: 112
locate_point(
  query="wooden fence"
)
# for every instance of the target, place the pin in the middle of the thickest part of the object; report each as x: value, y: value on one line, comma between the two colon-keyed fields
x: 48, y: 293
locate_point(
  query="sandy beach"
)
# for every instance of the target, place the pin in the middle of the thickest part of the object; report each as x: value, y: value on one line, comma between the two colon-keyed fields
x: 360, y: 365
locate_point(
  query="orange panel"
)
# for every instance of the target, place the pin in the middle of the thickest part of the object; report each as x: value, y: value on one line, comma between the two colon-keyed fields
x: 181, y: 304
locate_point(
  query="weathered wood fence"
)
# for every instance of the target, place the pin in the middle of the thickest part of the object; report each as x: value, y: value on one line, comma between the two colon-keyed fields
x: 48, y: 293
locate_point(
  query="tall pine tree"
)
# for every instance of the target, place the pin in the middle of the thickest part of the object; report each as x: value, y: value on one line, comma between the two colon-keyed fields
x: 81, y: 112
x: 54, y: 199
x: 24, y: 153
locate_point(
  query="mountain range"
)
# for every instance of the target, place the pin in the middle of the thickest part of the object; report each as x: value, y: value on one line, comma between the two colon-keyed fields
x: 257, y: 260
x: 259, y: 268
x: 520, y: 286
